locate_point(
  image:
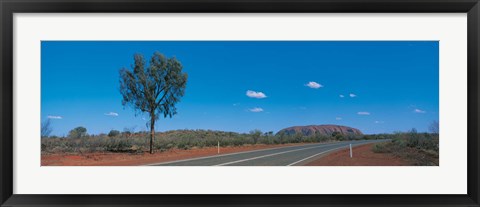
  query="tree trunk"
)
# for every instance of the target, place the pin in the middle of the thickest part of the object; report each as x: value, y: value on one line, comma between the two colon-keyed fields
x: 152, y: 134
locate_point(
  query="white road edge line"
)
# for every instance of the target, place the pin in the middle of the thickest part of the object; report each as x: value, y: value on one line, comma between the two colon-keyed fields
x: 269, y: 155
x: 314, y: 155
x: 234, y: 153
x: 367, y: 142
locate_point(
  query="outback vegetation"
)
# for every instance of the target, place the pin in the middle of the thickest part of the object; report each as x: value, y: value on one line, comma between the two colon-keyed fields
x: 419, y: 148
x: 153, y: 89
x: 180, y: 139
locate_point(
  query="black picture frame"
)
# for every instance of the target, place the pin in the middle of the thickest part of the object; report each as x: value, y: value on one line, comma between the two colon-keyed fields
x: 9, y: 7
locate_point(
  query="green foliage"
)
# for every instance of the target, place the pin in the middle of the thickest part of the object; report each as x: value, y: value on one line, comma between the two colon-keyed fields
x: 419, y: 148
x: 126, y: 133
x: 78, y: 132
x: 154, y: 88
x: 376, y: 136
x: 113, y: 133
x: 338, y: 136
x: 298, y: 137
x: 381, y: 148
x: 179, y: 139
x: 256, y: 133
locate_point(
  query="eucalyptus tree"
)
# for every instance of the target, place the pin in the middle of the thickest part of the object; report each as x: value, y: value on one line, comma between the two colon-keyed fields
x: 153, y: 89
x: 78, y: 132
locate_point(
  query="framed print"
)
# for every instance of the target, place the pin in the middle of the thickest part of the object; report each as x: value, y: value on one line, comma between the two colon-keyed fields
x: 239, y: 103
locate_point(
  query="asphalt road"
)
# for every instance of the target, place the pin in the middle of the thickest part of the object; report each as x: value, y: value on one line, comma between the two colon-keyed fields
x: 284, y: 156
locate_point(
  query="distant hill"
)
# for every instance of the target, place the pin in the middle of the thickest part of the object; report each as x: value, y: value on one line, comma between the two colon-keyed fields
x: 325, y: 130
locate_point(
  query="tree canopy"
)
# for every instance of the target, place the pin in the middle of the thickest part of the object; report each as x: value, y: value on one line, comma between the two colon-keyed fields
x: 78, y: 132
x: 154, y: 88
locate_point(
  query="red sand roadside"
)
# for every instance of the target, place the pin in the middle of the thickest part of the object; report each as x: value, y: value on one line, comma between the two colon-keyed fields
x: 128, y: 159
x: 362, y: 156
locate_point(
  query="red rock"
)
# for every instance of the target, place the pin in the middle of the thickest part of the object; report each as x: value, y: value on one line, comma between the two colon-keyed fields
x: 325, y: 130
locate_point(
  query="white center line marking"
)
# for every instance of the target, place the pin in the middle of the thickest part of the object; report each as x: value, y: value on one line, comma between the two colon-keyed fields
x: 234, y: 153
x: 253, y: 158
x: 366, y: 142
x: 314, y: 156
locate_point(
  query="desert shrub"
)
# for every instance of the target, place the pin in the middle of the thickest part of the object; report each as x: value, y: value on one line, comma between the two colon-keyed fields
x: 381, y: 148
x: 419, y: 148
x: 424, y: 142
x: 255, y: 134
x: 322, y: 139
x: 78, y: 132
x: 117, y: 145
x: 113, y: 133
x: 174, y: 139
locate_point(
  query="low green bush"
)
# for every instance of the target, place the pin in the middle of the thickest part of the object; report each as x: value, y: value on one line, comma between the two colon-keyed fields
x: 381, y: 148
x: 175, y: 139
x: 420, y: 148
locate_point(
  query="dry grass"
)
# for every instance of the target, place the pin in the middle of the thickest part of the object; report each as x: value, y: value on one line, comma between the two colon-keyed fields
x: 420, y: 148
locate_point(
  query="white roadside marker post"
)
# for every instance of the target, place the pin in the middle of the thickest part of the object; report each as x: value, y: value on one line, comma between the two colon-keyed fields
x: 218, y: 147
x: 350, y: 150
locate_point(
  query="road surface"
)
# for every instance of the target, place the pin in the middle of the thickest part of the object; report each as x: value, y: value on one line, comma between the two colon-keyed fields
x: 284, y: 156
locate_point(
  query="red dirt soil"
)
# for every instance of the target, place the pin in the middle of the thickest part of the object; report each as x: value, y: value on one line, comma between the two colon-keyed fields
x: 130, y: 159
x: 362, y: 156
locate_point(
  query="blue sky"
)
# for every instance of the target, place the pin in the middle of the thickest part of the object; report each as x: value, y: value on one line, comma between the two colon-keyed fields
x: 238, y: 86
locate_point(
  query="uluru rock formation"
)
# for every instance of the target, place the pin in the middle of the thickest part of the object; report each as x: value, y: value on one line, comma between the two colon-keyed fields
x: 324, y: 130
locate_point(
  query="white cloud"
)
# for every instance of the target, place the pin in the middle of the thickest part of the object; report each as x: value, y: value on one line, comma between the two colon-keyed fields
x: 111, y: 114
x: 54, y: 117
x: 352, y: 95
x: 338, y: 118
x: 313, y: 84
x: 256, y: 109
x: 419, y: 111
x: 379, y: 122
x: 363, y: 113
x: 255, y: 94
x: 342, y: 96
